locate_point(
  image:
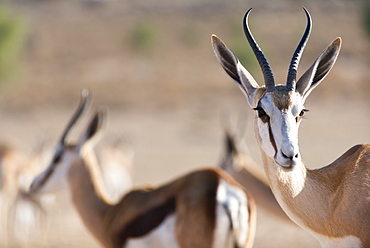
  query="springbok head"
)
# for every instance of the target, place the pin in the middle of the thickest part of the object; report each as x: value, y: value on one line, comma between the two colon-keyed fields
x: 54, y: 177
x: 279, y: 108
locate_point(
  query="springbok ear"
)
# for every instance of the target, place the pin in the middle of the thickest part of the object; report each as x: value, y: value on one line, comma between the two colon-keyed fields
x: 234, y: 68
x: 94, y: 130
x: 320, y: 68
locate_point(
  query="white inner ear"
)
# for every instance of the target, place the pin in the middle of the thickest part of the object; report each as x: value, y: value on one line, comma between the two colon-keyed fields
x: 250, y: 85
x: 247, y: 78
x: 304, y: 84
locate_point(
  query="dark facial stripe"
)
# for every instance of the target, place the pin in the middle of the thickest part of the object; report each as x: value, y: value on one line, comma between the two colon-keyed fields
x: 266, y: 119
x: 261, y: 113
x: 271, y: 136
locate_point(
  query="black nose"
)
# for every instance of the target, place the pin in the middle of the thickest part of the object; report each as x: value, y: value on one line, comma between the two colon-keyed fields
x: 291, y: 157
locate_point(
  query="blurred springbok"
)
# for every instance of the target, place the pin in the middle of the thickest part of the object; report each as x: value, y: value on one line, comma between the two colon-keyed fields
x: 238, y: 163
x: 21, y: 216
x: 205, y: 208
x: 333, y: 202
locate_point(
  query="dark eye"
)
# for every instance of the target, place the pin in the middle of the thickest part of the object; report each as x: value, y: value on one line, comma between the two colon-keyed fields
x: 301, y: 114
x: 262, y: 114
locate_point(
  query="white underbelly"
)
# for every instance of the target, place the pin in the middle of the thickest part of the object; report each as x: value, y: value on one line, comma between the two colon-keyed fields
x: 344, y: 242
x: 162, y: 236
x: 325, y: 241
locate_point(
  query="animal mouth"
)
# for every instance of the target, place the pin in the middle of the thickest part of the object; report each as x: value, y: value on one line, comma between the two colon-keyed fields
x: 287, y: 166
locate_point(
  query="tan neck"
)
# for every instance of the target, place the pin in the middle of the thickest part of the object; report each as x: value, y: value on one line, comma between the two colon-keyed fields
x: 295, y: 188
x: 88, y: 194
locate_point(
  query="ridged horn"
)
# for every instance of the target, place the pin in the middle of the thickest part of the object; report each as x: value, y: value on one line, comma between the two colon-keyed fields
x: 293, y: 66
x: 83, y: 106
x: 261, y: 58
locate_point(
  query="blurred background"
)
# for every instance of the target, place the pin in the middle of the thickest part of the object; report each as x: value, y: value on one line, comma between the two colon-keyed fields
x: 151, y: 64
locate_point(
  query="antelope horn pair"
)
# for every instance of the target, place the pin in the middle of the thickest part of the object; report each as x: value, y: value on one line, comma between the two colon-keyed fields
x: 81, y: 109
x: 264, y: 64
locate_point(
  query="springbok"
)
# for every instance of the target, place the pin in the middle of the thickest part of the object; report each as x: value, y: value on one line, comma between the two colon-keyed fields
x: 238, y: 163
x: 205, y: 208
x: 333, y: 202
x: 21, y: 215
x: 19, y: 212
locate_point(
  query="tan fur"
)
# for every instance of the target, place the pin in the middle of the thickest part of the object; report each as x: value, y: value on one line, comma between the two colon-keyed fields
x: 282, y: 99
x: 340, y: 193
x: 193, y: 200
x: 108, y: 223
x: 332, y: 203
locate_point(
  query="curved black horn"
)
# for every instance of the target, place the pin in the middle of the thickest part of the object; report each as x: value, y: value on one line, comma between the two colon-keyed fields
x: 83, y: 106
x: 264, y: 64
x: 292, y: 72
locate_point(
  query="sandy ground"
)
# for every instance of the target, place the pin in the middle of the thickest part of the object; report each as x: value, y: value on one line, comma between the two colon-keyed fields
x: 170, y: 143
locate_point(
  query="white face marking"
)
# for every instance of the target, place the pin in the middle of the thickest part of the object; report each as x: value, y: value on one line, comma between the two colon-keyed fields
x: 54, y: 177
x: 264, y: 135
x: 163, y: 236
x: 278, y: 132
